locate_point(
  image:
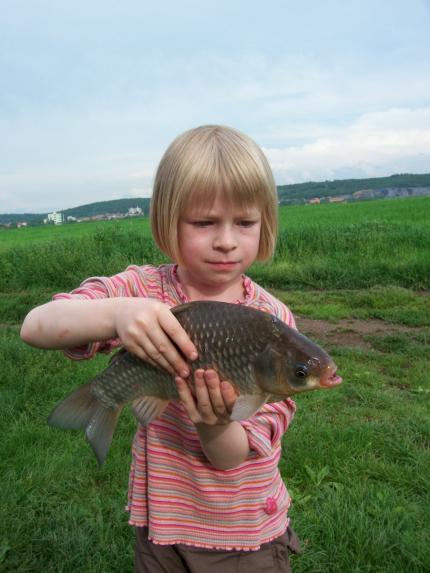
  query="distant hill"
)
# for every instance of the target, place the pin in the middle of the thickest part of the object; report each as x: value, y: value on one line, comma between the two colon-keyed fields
x: 108, y: 207
x: 14, y: 218
x: 302, y: 192
x: 378, y: 187
x: 90, y: 210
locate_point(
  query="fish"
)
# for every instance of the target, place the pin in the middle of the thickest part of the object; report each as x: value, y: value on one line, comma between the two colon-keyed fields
x: 263, y: 358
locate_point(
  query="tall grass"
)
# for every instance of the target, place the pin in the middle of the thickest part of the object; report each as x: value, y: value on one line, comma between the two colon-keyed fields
x: 323, y: 246
x: 46, y: 233
x: 67, y: 261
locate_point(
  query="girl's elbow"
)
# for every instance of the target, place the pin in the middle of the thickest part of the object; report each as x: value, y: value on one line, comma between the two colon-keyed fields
x: 226, y: 466
x: 29, y: 332
x: 26, y: 332
x: 229, y: 464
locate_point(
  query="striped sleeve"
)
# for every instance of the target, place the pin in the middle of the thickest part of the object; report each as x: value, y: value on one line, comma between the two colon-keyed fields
x: 268, y: 303
x: 266, y: 428
x: 126, y: 284
x: 288, y: 317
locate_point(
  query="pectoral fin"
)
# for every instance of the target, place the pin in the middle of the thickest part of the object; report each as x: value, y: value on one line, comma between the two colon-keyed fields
x: 246, y: 405
x: 148, y: 408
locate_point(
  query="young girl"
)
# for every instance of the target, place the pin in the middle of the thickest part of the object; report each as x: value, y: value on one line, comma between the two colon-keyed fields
x: 205, y: 494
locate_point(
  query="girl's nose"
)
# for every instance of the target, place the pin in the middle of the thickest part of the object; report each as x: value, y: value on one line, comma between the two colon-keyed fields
x: 225, y: 240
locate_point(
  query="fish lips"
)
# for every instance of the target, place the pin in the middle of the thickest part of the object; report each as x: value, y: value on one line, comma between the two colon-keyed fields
x: 330, y: 378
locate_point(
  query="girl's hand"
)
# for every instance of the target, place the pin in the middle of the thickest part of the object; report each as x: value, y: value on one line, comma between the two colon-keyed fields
x: 213, y: 401
x: 224, y: 443
x: 147, y: 328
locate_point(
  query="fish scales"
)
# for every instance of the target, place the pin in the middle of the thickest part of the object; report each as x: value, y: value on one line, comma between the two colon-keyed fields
x: 127, y: 377
x: 220, y: 345
x: 227, y: 342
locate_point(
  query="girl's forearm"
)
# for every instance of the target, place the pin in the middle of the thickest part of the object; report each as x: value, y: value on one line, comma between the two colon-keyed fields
x: 225, y: 446
x: 144, y: 326
x: 67, y: 323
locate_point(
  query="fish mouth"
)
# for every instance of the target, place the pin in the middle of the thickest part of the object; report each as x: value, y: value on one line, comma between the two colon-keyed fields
x: 331, y: 378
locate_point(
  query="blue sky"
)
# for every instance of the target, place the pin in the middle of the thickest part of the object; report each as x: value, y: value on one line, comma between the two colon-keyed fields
x: 91, y: 93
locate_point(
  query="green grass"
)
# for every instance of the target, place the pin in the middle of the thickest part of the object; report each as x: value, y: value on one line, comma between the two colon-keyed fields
x: 356, y: 458
x: 31, y: 236
x: 350, y: 246
x: 389, y: 303
x: 59, y: 511
x: 357, y: 462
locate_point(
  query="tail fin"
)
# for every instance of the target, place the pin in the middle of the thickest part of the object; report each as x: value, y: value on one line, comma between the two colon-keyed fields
x: 82, y: 411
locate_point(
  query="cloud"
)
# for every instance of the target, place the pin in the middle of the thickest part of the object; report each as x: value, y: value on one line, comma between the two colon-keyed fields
x: 376, y: 144
x: 94, y: 92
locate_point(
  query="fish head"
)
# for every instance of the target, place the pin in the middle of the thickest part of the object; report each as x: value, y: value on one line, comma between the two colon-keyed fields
x: 306, y: 366
x: 296, y: 365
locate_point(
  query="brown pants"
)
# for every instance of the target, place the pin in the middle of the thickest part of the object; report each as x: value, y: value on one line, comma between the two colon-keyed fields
x: 273, y: 557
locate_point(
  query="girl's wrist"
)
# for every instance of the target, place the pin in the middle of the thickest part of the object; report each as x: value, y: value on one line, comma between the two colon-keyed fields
x: 209, y: 432
x: 225, y: 445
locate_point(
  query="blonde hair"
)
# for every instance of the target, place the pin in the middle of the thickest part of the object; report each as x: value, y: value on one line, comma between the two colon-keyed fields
x: 202, y: 162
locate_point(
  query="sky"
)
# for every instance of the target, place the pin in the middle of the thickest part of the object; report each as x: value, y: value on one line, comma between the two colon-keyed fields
x: 93, y: 92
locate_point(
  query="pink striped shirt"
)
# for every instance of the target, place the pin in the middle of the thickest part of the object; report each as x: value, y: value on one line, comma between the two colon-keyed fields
x: 173, y: 489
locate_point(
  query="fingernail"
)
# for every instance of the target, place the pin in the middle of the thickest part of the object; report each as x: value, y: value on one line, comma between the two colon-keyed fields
x: 185, y: 373
x: 193, y: 355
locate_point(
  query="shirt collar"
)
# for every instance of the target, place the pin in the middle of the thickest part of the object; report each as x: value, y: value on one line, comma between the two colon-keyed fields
x: 248, y: 288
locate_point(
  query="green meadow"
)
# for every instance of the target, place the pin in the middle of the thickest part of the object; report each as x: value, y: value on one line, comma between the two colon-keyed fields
x: 356, y: 459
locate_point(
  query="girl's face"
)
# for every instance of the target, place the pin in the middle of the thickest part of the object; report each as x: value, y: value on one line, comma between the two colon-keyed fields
x: 217, y: 245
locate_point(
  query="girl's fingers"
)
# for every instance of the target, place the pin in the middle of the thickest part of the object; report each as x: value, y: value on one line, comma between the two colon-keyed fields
x: 214, y: 390
x: 187, y: 399
x: 138, y: 351
x: 204, y: 403
x: 213, y: 400
x: 161, y: 350
x: 229, y: 395
x: 147, y: 351
x: 175, y: 332
x: 163, y: 340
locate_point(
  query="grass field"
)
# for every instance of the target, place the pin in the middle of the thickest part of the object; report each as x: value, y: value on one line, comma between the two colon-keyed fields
x: 356, y: 458
x: 320, y: 246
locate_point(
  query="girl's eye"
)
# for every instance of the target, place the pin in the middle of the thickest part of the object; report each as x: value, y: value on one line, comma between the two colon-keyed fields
x: 201, y: 223
x: 247, y: 223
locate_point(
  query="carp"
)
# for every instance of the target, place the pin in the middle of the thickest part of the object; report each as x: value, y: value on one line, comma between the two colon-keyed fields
x: 264, y: 359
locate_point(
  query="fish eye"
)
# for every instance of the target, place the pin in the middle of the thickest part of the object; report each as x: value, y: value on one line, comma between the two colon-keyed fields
x: 302, y: 371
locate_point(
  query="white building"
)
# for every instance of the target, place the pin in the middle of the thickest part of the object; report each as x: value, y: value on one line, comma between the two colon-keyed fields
x: 135, y: 211
x: 56, y: 218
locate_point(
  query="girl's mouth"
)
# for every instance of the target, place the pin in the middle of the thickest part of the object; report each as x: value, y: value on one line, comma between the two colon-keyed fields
x: 223, y: 265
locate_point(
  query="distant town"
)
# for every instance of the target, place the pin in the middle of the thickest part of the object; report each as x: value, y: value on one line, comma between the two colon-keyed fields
x: 310, y: 193
x: 58, y: 218
x: 368, y: 194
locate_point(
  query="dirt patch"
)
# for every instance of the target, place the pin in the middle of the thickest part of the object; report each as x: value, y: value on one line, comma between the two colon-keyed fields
x: 349, y: 332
